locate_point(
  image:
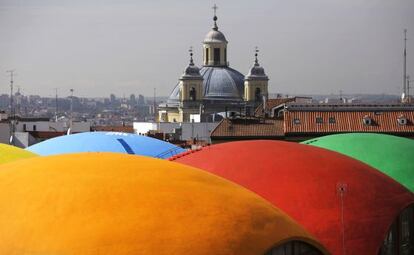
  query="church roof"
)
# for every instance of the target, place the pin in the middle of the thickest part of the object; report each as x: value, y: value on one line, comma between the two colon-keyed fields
x: 256, y: 72
x: 220, y: 83
x: 191, y: 72
x: 215, y: 36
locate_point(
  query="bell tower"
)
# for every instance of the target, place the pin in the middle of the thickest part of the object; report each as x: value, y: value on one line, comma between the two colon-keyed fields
x: 215, y: 46
x: 191, y: 83
x: 256, y: 82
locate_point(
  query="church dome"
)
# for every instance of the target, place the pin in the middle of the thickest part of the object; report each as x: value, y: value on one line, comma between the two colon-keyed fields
x: 191, y: 72
x: 219, y: 83
x: 256, y: 72
x: 215, y: 36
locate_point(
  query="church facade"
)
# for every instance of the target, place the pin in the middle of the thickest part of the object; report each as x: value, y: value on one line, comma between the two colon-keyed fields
x: 211, y: 92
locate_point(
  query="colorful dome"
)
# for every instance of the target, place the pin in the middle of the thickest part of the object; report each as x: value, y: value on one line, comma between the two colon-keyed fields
x: 106, y: 142
x: 10, y: 153
x: 392, y: 155
x: 109, y: 203
x: 318, y: 188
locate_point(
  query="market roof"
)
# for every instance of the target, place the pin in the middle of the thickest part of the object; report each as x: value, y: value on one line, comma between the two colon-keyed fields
x: 392, y: 155
x: 106, y: 142
x: 109, y: 203
x: 9, y: 153
x: 307, y: 183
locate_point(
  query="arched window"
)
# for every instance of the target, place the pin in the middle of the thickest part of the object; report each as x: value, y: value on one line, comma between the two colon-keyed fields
x: 216, y: 56
x: 294, y: 248
x: 257, y: 94
x: 400, y: 237
x: 207, y: 56
x: 193, y: 94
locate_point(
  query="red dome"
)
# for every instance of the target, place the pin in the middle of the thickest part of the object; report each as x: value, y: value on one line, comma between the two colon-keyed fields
x: 305, y: 182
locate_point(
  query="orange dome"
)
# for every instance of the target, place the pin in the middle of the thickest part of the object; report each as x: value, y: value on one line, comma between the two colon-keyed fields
x: 104, y: 203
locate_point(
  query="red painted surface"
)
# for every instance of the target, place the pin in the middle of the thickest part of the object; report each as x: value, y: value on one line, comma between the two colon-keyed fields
x: 303, y: 181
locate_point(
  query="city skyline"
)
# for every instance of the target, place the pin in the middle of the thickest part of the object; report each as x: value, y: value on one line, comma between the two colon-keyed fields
x: 101, y: 47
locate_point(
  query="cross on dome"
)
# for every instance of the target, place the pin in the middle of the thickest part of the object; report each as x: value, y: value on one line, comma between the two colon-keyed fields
x: 215, y: 9
x: 215, y: 17
x: 191, y: 55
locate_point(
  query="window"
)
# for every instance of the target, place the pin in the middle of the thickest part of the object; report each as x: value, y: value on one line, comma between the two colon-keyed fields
x: 34, y: 127
x: 402, y: 120
x: 400, y: 237
x: 225, y: 56
x: 207, y: 55
x: 193, y: 94
x: 24, y: 127
x: 294, y: 248
x: 296, y: 121
x: 319, y: 120
x: 216, y: 56
x: 332, y: 120
x: 367, y: 120
x: 257, y: 94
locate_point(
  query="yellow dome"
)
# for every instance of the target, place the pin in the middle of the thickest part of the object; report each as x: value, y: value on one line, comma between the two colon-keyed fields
x: 104, y: 203
x: 10, y: 153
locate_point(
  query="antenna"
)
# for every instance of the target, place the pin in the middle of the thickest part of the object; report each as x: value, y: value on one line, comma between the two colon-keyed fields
x: 57, y: 106
x: 408, y: 89
x: 155, y: 103
x: 405, y: 66
x: 342, y: 189
x: 71, y: 112
x: 12, y: 115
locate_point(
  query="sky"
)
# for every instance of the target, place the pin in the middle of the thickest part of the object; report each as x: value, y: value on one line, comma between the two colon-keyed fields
x: 99, y: 47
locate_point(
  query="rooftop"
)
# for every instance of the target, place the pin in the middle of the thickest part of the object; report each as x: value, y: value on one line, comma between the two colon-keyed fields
x: 248, y: 127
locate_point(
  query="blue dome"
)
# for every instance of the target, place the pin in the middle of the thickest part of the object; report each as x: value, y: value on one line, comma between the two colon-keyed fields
x: 106, y: 142
x: 220, y: 83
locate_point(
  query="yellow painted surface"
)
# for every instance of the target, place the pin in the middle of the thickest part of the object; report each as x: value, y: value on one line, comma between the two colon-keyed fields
x: 185, y: 87
x: 9, y: 153
x: 250, y: 89
x: 174, y: 117
x: 104, y: 203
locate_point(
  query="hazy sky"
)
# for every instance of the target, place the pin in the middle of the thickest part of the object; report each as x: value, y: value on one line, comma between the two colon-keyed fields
x: 98, y: 47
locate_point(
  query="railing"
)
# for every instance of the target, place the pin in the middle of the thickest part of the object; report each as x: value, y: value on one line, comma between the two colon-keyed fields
x: 171, y: 152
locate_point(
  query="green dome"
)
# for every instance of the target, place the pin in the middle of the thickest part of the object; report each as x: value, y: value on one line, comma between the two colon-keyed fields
x: 392, y: 155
